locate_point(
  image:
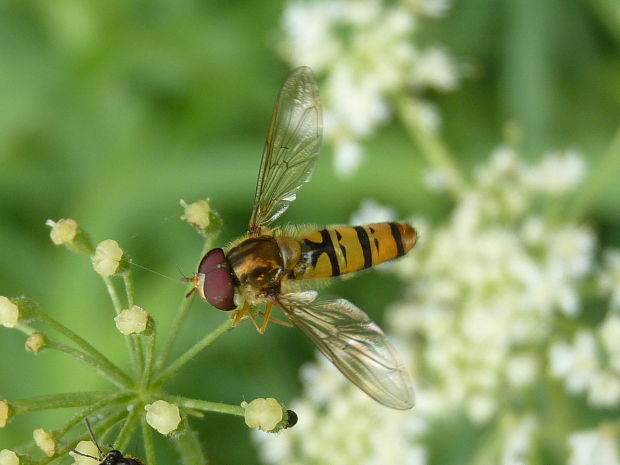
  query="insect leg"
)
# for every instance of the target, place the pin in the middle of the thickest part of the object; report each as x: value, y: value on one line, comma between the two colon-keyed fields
x: 241, y: 313
x: 263, y: 326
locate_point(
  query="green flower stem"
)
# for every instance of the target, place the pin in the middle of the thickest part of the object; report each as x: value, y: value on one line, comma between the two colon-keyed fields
x: 179, y: 318
x: 602, y: 176
x: 129, y: 288
x: 188, y: 446
x: 119, y: 398
x: 109, y: 371
x: 431, y: 146
x: 126, y: 432
x: 181, y: 312
x: 65, y: 400
x: 118, y: 307
x: 149, y: 443
x: 116, y: 300
x: 151, y: 340
x: 203, y: 343
x: 81, y: 343
x: 130, y: 293
x: 206, y: 406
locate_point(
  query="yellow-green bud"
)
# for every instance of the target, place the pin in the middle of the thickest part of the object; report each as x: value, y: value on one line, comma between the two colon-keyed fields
x: 8, y: 457
x: 163, y: 416
x: 132, y: 320
x: 87, y: 448
x: 9, y: 313
x: 201, y: 216
x: 35, y: 342
x: 108, y: 258
x: 265, y: 414
x: 5, y: 413
x: 68, y: 232
x: 45, y: 441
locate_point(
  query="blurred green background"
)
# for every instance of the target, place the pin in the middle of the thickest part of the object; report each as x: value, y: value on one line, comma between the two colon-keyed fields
x: 113, y: 111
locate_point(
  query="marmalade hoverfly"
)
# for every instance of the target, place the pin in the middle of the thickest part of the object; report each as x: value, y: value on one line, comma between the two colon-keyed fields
x: 266, y: 266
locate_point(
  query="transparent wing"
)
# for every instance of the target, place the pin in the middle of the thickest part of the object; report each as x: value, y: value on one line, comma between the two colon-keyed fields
x: 291, y: 149
x: 355, y: 344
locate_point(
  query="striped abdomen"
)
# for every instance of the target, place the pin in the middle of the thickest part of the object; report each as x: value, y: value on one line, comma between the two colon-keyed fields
x: 336, y: 251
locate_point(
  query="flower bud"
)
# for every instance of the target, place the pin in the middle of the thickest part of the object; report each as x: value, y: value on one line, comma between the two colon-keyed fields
x: 35, y: 342
x: 163, y: 416
x: 67, y: 232
x: 132, y: 320
x: 86, y: 448
x: 265, y: 414
x: 8, y: 457
x: 45, y: 441
x: 4, y: 413
x: 9, y: 313
x: 108, y: 258
x: 202, y: 217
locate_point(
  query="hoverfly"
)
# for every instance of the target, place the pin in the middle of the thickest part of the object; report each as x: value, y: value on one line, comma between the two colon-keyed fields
x: 266, y: 266
x: 114, y: 457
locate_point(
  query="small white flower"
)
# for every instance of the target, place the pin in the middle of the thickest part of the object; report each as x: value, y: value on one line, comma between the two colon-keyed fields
x: 604, y: 390
x: 594, y: 447
x: 87, y: 448
x: 370, y: 211
x: 4, y: 413
x: 9, y: 313
x: 8, y: 457
x: 432, y: 8
x: 63, y: 231
x: 435, y: 69
x: 610, y: 277
x: 163, y: 416
x: 264, y: 414
x: 347, y: 157
x: 610, y: 333
x: 35, y: 342
x: 481, y: 408
x: 198, y: 213
x: 44, y: 441
x: 576, y: 364
x: 519, y: 442
x: 132, y: 320
x: 557, y: 173
x: 107, y: 258
x: 521, y: 371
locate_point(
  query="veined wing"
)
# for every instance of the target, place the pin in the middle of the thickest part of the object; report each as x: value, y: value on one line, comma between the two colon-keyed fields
x: 355, y: 344
x: 291, y: 149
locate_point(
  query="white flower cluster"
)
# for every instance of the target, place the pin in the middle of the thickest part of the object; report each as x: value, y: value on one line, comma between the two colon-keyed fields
x: 366, y: 52
x: 493, y: 295
x: 340, y: 425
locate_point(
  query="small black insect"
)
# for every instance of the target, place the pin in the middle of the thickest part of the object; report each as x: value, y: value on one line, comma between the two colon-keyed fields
x: 114, y: 457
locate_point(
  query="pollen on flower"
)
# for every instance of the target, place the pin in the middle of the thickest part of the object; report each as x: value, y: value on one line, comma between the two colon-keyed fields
x: 63, y: 231
x: 4, y: 413
x: 263, y: 413
x: 9, y: 313
x: 107, y: 258
x: 87, y: 448
x: 35, y: 342
x: 44, y: 441
x: 132, y: 320
x: 198, y: 213
x: 163, y: 416
x: 8, y: 457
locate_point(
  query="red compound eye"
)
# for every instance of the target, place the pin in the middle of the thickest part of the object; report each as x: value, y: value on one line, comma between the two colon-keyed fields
x: 218, y: 286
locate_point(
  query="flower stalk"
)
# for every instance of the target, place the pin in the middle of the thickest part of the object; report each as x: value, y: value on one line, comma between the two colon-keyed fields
x: 137, y: 392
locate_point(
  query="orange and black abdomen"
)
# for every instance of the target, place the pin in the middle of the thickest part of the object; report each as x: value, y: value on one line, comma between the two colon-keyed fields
x: 341, y: 250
